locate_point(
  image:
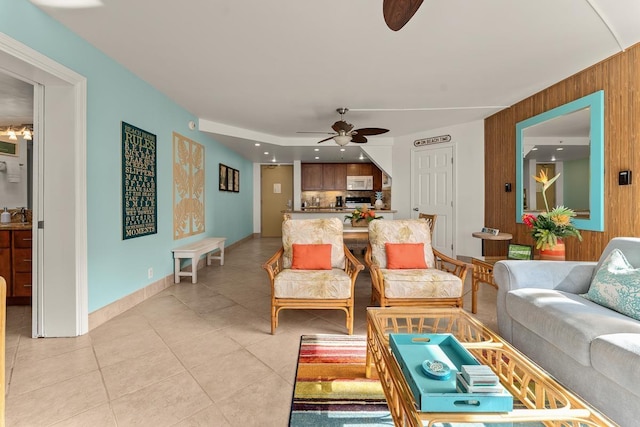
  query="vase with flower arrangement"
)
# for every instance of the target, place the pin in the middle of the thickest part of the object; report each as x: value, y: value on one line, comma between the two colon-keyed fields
x: 361, y: 217
x: 550, y: 227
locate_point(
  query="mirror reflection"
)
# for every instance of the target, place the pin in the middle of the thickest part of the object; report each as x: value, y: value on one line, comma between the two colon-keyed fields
x: 16, y: 142
x: 568, y: 140
x: 558, y: 146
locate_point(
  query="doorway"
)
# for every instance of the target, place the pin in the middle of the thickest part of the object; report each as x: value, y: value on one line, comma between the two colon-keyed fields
x: 432, y: 192
x: 276, y: 192
x: 60, y: 302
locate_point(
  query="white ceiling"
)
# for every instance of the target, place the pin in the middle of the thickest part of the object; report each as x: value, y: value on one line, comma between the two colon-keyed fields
x: 264, y: 70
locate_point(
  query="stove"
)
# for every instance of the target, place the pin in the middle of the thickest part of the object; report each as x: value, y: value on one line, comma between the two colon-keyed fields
x: 358, y: 202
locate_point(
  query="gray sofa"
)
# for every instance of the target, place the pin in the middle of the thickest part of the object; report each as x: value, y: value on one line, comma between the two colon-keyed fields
x: 592, y: 350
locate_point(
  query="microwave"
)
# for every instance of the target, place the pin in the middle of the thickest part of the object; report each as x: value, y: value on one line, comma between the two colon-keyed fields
x: 364, y: 182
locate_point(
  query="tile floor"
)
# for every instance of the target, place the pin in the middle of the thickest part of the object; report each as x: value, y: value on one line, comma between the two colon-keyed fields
x: 194, y: 355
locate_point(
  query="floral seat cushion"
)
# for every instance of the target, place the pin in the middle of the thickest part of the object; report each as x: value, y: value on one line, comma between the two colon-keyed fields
x: 429, y: 283
x: 312, y: 284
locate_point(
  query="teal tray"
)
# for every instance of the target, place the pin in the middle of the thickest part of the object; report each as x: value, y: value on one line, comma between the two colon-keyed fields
x: 434, y: 395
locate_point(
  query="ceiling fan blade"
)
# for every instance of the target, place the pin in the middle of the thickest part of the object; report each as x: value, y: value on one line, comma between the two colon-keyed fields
x: 341, y: 125
x: 326, y: 139
x: 358, y: 139
x: 398, y: 12
x: 371, y: 131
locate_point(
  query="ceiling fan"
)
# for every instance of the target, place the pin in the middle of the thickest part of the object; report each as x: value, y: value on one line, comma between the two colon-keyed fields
x: 344, y: 132
x: 398, y: 12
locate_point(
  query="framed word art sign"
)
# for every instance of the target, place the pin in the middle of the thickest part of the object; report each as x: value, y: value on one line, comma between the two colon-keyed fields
x: 139, y: 190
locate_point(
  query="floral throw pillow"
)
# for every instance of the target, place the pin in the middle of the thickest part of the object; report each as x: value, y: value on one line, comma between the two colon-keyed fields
x: 616, y: 285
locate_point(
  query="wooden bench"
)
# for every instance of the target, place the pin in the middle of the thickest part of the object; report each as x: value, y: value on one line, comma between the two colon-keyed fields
x: 194, y: 251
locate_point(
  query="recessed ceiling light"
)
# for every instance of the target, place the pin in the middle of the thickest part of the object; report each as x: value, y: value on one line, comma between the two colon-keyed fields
x: 343, y: 149
x: 534, y: 149
x: 553, y: 158
x: 266, y: 153
x: 559, y: 149
x: 257, y: 144
x: 273, y: 160
x: 317, y: 158
x: 316, y: 149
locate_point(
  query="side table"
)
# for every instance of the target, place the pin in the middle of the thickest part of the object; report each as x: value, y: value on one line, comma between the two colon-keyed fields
x: 489, y: 236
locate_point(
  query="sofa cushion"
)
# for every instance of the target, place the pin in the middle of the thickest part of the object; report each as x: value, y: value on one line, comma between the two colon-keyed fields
x: 616, y: 285
x: 611, y: 352
x: 431, y: 283
x: 567, y: 321
x: 312, y: 284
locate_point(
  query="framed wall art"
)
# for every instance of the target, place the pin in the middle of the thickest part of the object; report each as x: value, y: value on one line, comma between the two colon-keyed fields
x: 139, y: 192
x: 188, y: 187
x: 229, y: 179
x: 223, y: 178
x: 236, y: 180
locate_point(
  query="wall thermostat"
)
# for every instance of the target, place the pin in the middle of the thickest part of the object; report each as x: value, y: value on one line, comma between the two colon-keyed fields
x: 624, y: 178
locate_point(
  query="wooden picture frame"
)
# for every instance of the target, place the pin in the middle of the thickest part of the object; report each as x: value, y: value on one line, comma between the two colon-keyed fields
x: 223, y: 177
x: 229, y: 179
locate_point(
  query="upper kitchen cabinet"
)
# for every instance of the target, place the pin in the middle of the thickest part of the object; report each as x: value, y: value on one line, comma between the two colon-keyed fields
x: 359, y: 169
x: 311, y: 176
x: 334, y: 176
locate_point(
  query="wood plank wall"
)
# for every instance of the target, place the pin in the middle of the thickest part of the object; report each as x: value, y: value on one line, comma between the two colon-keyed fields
x: 619, y: 77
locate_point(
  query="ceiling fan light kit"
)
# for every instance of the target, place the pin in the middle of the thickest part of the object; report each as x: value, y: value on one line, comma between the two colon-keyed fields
x: 342, y: 140
x: 344, y: 132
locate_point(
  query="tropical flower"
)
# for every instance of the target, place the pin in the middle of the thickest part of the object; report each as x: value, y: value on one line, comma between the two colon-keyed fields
x: 549, y: 226
x: 362, y: 213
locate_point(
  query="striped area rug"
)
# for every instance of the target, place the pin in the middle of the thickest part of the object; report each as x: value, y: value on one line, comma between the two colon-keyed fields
x: 331, y: 388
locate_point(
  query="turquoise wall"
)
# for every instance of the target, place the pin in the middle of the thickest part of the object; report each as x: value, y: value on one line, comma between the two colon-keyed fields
x: 576, y: 184
x: 119, y: 267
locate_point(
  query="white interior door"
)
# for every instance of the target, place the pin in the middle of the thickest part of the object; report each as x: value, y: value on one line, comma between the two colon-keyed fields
x: 432, y: 184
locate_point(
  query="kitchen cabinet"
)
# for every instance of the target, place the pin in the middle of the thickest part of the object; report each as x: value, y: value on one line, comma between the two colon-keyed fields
x: 334, y: 176
x: 359, y: 169
x: 21, y: 254
x: 15, y: 264
x: 5, y: 257
x: 311, y: 174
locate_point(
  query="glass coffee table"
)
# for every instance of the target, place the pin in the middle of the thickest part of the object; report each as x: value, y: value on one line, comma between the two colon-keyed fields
x: 539, y: 400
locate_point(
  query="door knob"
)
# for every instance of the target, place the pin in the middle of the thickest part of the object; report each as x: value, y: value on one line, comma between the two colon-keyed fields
x: 416, y: 209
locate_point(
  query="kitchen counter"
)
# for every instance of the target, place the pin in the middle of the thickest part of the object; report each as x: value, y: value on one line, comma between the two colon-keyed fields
x: 313, y: 213
x: 333, y: 210
x: 16, y: 226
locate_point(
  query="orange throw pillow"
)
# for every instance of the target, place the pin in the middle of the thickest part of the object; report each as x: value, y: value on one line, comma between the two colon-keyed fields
x: 405, y: 255
x: 311, y: 257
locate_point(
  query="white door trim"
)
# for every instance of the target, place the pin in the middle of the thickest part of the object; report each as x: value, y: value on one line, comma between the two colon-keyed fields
x: 22, y: 60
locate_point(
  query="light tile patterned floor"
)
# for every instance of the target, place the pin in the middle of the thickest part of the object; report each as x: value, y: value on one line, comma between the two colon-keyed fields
x: 194, y: 355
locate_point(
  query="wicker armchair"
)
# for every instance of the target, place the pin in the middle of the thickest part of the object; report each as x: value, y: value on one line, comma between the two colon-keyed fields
x: 295, y: 288
x: 431, y: 220
x: 439, y: 285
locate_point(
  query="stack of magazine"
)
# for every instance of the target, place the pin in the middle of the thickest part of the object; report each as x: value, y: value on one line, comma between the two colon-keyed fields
x: 478, y: 379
